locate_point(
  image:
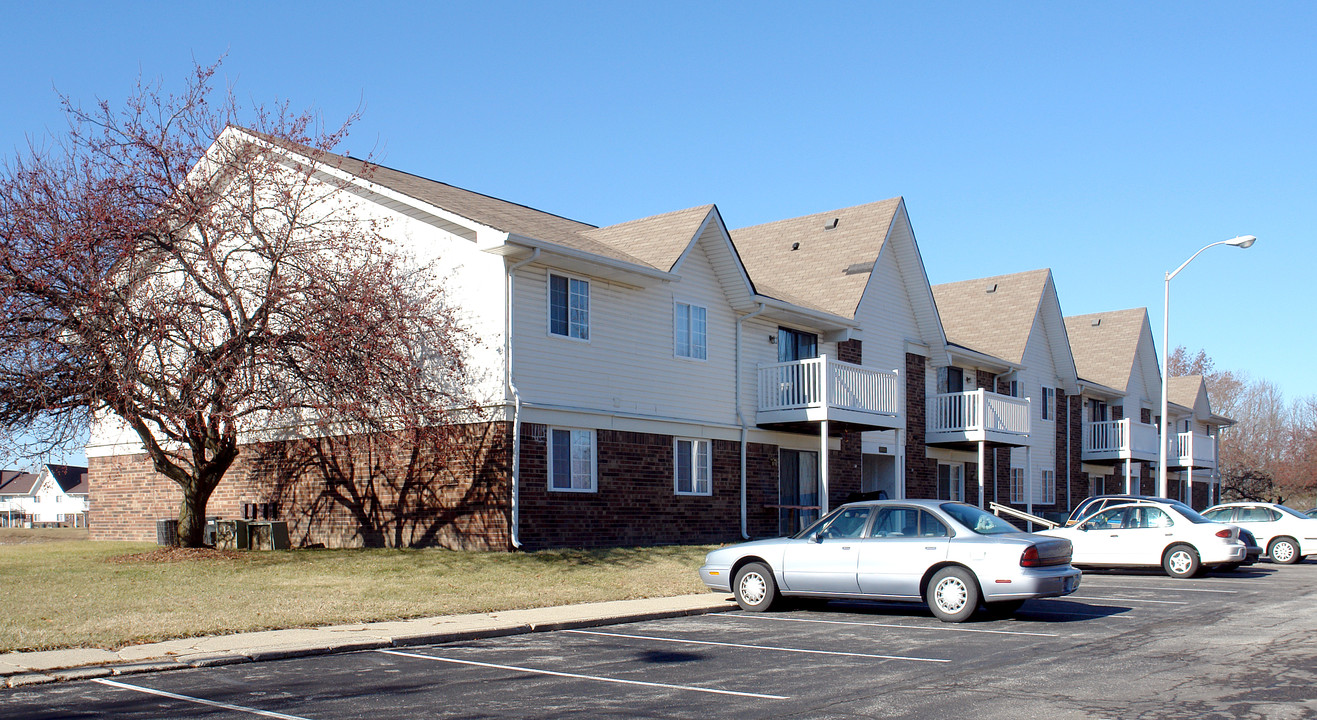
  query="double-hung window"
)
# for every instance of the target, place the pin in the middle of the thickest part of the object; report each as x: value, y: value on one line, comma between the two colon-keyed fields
x: 693, y: 466
x: 571, y: 460
x: 1049, y: 403
x: 1017, y: 485
x: 569, y: 307
x: 1049, y: 487
x: 690, y: 324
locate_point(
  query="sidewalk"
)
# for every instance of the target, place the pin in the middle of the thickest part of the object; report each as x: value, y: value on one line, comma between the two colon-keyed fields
x: 29, y: 668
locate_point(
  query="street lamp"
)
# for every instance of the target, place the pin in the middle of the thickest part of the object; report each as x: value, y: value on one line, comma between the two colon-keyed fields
x: 1242, y: 241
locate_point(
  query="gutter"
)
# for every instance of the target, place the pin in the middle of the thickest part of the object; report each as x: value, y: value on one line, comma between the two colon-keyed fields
x: 740, y: 417
x: 516, y: 398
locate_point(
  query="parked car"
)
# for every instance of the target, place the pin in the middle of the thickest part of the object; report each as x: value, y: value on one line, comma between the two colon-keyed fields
x: 1097, y: 503
x: 952, y: 556
x: 1145, y: 533
x: 1287, y: 534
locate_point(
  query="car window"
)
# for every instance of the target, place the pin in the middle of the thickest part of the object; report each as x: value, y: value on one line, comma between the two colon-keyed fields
x: 1290, y: 511
x: 977, y: 520
x: 848, y: 523
x: 1112, y: 519
x: 1257, y: 514
x: 930, y: 526
x: 1149, y: 517
x: 1218, y: 515
x: 896, y: 522
x: 816, y: 525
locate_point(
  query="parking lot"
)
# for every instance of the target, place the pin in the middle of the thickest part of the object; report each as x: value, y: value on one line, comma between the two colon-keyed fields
x: 1127, y: 645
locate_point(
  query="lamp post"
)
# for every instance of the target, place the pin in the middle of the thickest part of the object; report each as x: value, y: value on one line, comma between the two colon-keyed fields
x: 1242, y: 241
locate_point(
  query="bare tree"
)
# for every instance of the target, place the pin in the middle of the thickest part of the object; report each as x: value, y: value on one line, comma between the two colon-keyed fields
x: 204, y: 285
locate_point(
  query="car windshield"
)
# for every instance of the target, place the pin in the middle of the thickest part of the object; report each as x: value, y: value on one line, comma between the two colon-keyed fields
x: 813, y: 527
x: 1189, y: 513
x: 979, y: 521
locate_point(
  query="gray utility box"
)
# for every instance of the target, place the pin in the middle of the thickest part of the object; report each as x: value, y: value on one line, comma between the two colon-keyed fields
x: 268, y: 534
x: 232, y: 535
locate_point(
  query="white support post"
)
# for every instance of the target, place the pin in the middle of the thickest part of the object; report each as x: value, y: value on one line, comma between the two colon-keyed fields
x: 981, y: 478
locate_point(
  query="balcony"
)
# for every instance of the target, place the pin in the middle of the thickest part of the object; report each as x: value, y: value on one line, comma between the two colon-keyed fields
x: 977, y: 416
x: 1192, y: 450
x: 808, y: 391
x: 1113, y: 441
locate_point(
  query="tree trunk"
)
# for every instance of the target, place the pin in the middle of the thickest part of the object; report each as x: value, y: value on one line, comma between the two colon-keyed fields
x: 192, y: 513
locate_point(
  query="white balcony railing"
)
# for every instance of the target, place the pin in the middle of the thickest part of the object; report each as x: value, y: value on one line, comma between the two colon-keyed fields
x: 977, y: 414
x: 824, y: 384
x: 1120, y: 440
x: 1193, y: 450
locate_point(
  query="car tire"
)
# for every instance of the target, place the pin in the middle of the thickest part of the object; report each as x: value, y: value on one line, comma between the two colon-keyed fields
x: 755, y: 589
x: 1284, y: 551
x: 1003, y: 609
x: 1181, y: 561
x: 952, y: 594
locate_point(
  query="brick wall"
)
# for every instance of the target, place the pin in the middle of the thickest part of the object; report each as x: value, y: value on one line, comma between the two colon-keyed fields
x: 920, y: 470
x: 339, y: 492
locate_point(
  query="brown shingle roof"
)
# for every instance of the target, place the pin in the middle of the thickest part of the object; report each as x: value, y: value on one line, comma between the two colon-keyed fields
x: 657, y: 241
x: 992, y: 315
x: 16, y: 482
x: 830, y: 268
x: 1183, y: 390
x: 72, y: 479
x: 1105, y: 352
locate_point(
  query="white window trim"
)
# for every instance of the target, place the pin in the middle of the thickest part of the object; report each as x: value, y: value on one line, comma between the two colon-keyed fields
x: 548, y: 307
x: 1017, y: 485
x: 679, y: 356
x: 708, y: 466
x: 1049, y: 487
x: 594, y: 460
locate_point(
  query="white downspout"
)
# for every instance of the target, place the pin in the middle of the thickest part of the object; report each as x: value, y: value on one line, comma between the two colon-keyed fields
x: 516, y: 397
x: 740, y: 416
x: 1069, y: 448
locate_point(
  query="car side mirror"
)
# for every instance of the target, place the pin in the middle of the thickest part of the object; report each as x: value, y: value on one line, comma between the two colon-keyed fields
x: 816, y: 537
x: 1085, y: 526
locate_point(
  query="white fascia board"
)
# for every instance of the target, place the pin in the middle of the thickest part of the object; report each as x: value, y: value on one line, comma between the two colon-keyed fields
x: 1097, y: 389
x: 815, y: 318
x: 983, y: 360
x: 597, y: 265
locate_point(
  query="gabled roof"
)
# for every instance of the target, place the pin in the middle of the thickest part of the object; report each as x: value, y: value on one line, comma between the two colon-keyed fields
x: 71, y: 478
x: 1106, y: 344
x: 16, y: 482
x: 993, y: 315
x: 820, y: 261
x: 658, y: 241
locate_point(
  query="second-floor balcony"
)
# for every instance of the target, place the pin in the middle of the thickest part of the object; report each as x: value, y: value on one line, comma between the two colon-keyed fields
x: 977, y: 416
x: 1111, y: 441
x: 807, y: 391
x: 1192, y: 450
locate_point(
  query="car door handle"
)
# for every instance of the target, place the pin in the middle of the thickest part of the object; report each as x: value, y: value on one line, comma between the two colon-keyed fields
x: 845, y: 547
x: 930, y: 547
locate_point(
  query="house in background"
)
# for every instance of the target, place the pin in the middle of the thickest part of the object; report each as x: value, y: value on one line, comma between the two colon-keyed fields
x: 57, y: 495
x: 1194, y: 453
x: 1002, y: 418
x: 1121, y: 380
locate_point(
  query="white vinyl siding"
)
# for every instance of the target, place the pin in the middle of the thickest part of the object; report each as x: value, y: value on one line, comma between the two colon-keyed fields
x: 569, y: 307
x: 571, y: 460
x: 690, y: 330
x: 692, y: 467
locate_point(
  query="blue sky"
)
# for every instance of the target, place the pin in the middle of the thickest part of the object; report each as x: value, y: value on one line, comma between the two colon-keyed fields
x: 1107, y: 141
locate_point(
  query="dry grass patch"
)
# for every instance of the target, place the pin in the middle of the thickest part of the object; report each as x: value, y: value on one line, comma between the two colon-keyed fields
x: 85, y: 594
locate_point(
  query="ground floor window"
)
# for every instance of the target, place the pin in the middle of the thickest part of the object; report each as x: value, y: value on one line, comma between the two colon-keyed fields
x: 692, y: 467
x: 1096, y: 485
x: 797, y: 490
x: 1017, y: 485
x: 1049, y: 487
x: 950, y: 482
x: 571, y: 460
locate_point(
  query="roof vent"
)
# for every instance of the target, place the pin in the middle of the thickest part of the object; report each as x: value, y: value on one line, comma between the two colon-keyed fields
x: 1097, y: 321
x: 859, y: 269
x: 832, y: 225
x: 992, y: 288
x: 795, y: 246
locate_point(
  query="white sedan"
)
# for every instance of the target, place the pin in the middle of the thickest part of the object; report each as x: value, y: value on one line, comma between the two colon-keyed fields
x: 1151, y: 534
x: 1288, y: 535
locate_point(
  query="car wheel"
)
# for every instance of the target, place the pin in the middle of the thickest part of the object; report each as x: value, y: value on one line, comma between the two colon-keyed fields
x: 1181, y: 561
x: 952, y: 594
x: 1283, y: 550
x: 755, y: 589
x: 1004, y: 609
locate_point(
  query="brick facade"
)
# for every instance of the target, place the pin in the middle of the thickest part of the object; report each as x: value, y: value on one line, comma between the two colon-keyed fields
x: 920, y: 470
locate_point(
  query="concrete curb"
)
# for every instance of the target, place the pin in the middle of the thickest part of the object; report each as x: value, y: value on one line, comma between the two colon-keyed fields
x: 35, y: 668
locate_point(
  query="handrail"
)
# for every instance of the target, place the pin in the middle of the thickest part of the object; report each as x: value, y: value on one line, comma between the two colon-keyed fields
x: 998, y: 509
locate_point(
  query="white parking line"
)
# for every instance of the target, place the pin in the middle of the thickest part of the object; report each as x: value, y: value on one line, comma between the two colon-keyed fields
x: 199, y: 701
x: 1063, y: 613
x: 536, y: 671
x: 760, y: 647
x: 1166, y: 589
x: 884, y: 625
x: 1117, y: 599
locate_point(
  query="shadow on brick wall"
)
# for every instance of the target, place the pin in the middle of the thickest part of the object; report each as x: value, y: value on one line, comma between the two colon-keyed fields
x: 443, y: 487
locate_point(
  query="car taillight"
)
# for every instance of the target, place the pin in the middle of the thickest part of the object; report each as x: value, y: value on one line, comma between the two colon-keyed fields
x: 1029, y: 558
x: 1223, y: 533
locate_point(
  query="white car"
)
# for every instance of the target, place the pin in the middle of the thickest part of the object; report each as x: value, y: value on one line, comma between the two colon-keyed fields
x: 1151, y: 534
x: 1288, y: 535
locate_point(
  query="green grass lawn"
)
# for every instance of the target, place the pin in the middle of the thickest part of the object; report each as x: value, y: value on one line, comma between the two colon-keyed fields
x: 70, y: 593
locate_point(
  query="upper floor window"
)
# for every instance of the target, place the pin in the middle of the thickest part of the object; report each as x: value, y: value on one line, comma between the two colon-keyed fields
x: 569, y: 307
x: 796, y: 345
x: 691, y: 327
x: 692, y: 467
x: 1049, y: 403
x: 571, y: 460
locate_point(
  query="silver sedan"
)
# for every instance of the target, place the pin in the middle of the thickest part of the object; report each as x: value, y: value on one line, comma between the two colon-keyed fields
x: 950, y: 555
